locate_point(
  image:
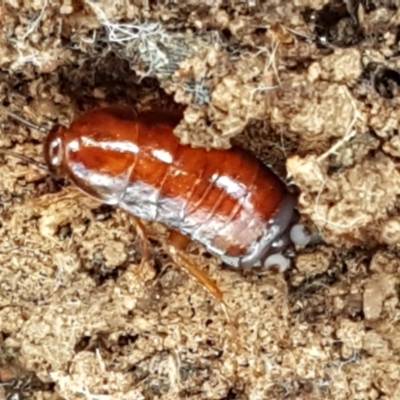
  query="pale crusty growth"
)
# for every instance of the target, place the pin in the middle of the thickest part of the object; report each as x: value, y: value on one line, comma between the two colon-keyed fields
x: 88, y: 310
x: 352, y: 207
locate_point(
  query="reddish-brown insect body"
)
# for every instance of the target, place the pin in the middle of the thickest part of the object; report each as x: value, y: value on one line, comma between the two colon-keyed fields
x: 226, y: 200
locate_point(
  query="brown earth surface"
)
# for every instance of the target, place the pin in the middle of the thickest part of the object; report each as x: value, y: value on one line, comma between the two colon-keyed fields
x: 312, y: 88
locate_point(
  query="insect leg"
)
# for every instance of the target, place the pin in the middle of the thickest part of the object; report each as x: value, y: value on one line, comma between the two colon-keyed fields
x: 141, y: 231
x: 176, y: 244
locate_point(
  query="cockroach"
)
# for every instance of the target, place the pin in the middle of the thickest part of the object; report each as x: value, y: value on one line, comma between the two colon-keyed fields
x: 226, y: 200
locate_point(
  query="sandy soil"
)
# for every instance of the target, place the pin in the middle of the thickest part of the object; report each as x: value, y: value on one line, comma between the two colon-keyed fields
x: 312, y: 88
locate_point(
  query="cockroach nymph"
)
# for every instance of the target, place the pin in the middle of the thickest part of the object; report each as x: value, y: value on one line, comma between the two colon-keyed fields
x: 226, y: 200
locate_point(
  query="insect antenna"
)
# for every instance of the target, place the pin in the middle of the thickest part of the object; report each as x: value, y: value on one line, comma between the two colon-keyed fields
x: 27, y: 159
x: 29, y: 124
x: 26, y: 122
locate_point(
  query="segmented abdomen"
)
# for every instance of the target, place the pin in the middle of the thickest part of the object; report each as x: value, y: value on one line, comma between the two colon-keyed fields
x: 224, y: 199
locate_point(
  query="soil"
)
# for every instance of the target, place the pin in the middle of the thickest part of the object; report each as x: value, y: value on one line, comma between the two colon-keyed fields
x: 312, y: 88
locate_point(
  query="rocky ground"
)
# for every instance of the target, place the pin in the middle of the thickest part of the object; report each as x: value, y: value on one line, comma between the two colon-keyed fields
x: 312, y: 88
